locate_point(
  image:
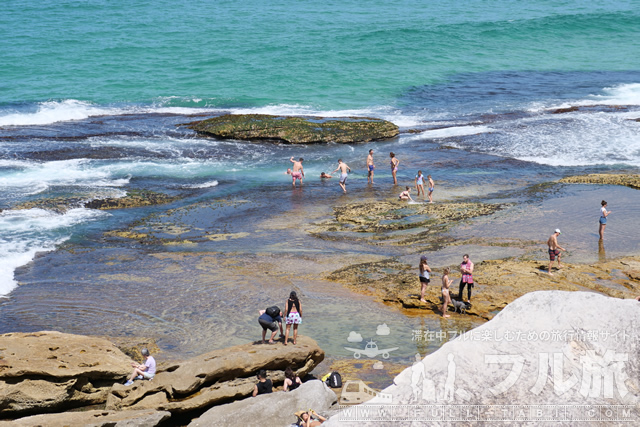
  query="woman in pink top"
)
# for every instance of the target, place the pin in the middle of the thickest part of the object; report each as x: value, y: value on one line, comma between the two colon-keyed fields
x: 466, y: 269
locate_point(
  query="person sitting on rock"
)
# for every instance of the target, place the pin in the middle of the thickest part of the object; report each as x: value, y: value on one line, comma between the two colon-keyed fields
x: 291, y: 380
x: 264, y: 385
x: 146, y: 371
x: 310, y: 419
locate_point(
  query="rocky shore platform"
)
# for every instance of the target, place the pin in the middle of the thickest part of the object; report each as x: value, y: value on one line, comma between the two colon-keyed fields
x: 47, y: 373
x: 296, y: 130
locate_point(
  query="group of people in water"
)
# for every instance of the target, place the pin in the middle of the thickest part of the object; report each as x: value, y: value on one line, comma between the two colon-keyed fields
x: 297, y: 173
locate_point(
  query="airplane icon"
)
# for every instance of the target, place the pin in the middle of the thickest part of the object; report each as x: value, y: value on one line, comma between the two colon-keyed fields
x: 371, y: 351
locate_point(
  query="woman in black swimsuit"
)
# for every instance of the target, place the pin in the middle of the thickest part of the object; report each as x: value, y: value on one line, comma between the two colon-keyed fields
x: 291, y: 380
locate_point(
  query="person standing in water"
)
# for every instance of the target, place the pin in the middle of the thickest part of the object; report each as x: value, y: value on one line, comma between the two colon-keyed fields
x: 446, y: 298
x: 420, y: 183
x: 394, y: 167
x: 293, y: 316
x: 424, y: 276
x: 431, y: 187
x: 554, y: 249
x: 298, y: 171
x: 370, y: 167
x: 343, y: 168
x: 604, y: 213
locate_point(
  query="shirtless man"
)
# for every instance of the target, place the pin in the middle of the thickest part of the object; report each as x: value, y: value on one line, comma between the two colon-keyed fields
x: 370, y: 167
x: 343, y: 168
x: 297, y: 172
x: 554, y: 249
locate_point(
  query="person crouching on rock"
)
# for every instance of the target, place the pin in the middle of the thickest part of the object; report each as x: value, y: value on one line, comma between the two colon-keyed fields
x: 146, y: 371
x: 264, y: 385
x: 268, y: 321
x: 406, y: 194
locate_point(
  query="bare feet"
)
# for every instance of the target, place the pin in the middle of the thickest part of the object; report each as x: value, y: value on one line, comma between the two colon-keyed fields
x: 422, y: 300
x: 446, y: 315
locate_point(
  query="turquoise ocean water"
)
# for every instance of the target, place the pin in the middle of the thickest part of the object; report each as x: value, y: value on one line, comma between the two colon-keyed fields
x: 327, y: 55
x: 91, y: 93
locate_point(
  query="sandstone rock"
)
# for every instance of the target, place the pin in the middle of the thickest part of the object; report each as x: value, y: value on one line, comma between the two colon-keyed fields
x: 94, y: 418
x: 275, y: 409
x: 296, y: 130
x: 220, y: 375
x: 574, y: 354
x: 51, y: 371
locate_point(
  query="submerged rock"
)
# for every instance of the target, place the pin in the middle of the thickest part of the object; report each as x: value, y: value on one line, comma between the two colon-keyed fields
x: 274, y: 409
x: 134, y: 198
x: 296, y: 130
x: 545, y: 357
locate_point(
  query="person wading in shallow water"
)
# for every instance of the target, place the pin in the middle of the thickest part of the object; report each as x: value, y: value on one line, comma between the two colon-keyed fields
x: 370, y: 167
x: 554, y: 249
x: 298, y: 171
x: 604, y: 213
x: 394, y: 167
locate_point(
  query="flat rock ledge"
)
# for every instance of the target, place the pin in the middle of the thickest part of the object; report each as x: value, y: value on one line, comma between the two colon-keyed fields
x: 296, y: 130
x: 49, y: 372
x: 628, y: 180
x: 549, y: 358
x: 216, y: 377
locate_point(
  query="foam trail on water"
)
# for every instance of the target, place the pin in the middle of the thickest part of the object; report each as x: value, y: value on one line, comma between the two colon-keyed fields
x: 24, y: 233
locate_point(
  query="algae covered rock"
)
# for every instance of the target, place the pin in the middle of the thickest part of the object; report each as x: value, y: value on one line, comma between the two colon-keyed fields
x: 296, y: 130
x: 628, y: 180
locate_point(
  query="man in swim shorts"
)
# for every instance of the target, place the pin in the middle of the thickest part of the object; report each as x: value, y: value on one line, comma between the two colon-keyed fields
x: 370, y: 167
x: 343, y: 168
x: 554, y: 249
x: 298, y: 171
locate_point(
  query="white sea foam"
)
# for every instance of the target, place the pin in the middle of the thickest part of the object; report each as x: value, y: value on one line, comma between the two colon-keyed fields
x: 24, y: 233
x: 451, y: 132
x: 624, y: 94
x: 207, y: 184
x: 54, y: 111
x: 587, y: 139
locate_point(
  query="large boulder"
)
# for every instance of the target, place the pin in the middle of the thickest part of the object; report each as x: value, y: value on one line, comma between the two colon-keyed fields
x: 51, y: 371
x: 274, y: 409
x: 219, y: 376
x: 296, y: 130
x: 567, y: 357
x: 95, y: 418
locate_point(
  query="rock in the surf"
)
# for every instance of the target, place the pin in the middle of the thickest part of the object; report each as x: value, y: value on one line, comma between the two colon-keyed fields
x: 296, y: 130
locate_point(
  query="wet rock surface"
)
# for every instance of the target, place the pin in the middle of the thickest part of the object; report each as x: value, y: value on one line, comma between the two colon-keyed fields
x: 296, y: 130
